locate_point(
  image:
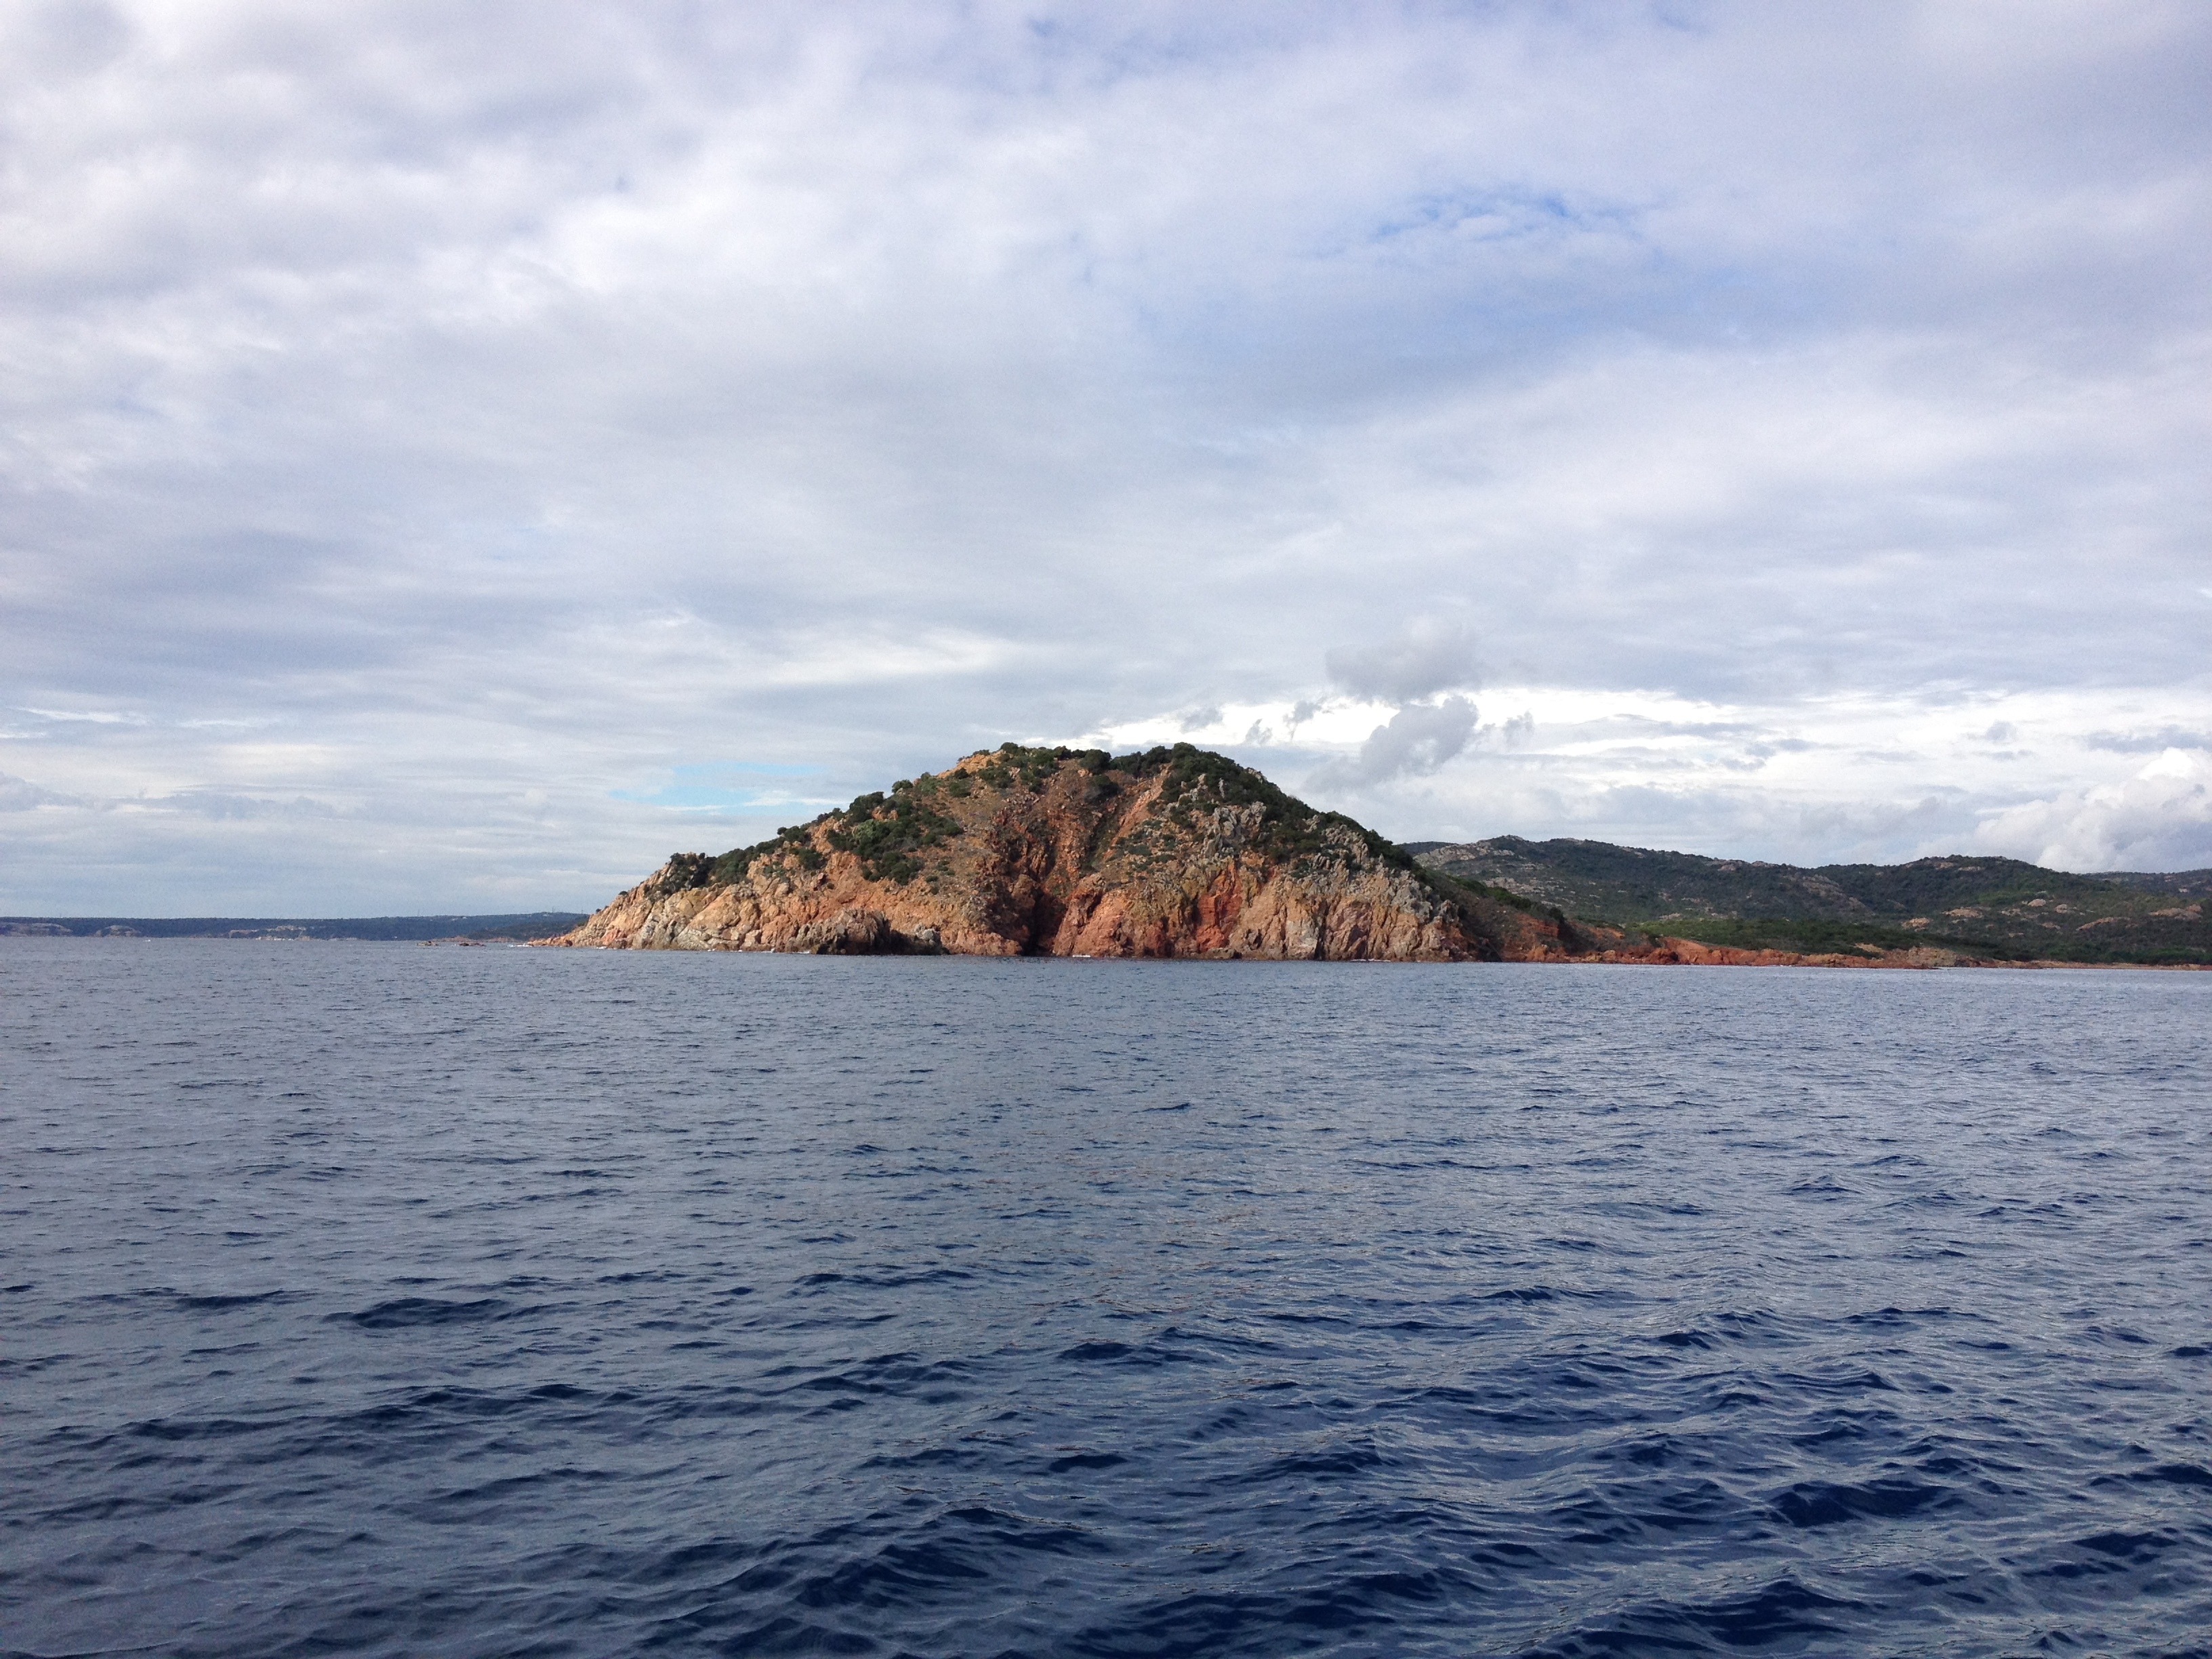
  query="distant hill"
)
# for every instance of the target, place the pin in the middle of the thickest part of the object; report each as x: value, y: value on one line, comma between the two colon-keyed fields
x: 1996, y: 906
x: 534, y: 924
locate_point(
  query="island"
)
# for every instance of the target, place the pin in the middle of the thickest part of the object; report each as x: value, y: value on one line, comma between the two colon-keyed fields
x: 1179, y: 852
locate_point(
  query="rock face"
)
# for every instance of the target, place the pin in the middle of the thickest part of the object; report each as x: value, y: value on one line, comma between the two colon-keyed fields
x: 1177, y: 853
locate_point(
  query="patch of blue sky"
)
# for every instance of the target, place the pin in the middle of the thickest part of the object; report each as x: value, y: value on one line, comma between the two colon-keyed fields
x: 728, y: 785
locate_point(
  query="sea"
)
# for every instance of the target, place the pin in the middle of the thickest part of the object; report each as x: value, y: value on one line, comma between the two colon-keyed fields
x: 364, y: 1298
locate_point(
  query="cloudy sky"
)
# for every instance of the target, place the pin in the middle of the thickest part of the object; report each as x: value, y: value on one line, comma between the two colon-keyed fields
x: 454, y: 456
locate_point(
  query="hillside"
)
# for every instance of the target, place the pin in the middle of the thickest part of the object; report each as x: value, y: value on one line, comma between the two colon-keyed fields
x: 1997, y: 907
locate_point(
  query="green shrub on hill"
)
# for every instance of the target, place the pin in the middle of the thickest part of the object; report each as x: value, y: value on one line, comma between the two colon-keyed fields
x: 1198, y: 779
x: 1927, y: 886
x: 887, y: 835
x: 793, y: 841
x: 1456, y: 887
x: 888, y: 830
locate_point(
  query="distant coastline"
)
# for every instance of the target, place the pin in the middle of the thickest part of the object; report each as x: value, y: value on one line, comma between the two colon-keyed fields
x: 517, y: 927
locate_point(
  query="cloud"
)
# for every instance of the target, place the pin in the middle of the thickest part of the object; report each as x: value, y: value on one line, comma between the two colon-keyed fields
x: 22, y: 795
x: 2148, y: 742
x: 2159, y: 819
x: 216, y: 803
x: 1870, y: 777
x: 1428, y: 656
x: 97, y: 717
x: 1413, y: 742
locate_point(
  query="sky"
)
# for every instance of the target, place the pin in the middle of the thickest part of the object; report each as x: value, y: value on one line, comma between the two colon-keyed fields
x: 453, y: 457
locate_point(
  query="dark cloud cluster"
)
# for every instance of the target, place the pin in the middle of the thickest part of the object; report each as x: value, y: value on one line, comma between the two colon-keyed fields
x: 1431, y: 655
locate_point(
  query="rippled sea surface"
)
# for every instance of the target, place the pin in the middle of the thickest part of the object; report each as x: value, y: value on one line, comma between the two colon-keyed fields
x: 376, y: 1299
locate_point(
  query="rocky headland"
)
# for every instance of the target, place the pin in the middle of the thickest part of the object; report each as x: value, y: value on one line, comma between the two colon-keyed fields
x: 1173, y: 853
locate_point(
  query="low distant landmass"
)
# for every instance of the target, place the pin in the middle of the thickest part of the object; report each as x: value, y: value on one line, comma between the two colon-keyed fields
x: 1178, y: 852
x: 517, y: 928
x: 1995, y: 908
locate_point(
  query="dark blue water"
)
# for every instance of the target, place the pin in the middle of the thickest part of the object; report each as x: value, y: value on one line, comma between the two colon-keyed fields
x: 373, y: 1299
